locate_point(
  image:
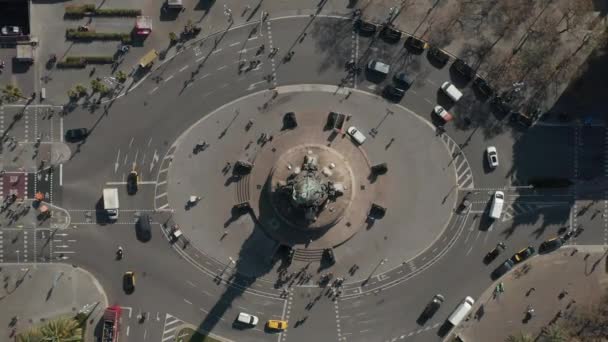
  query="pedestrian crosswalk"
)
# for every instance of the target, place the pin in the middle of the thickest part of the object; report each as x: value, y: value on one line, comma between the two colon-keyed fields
x: 464, y: 174
x: 171, y: 328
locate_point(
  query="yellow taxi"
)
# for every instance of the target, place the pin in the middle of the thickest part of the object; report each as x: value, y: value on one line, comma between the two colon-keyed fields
x: 129, y: 281
x: 276, y: 324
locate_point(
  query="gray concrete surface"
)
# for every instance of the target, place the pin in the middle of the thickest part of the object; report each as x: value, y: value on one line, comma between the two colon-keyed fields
x: 580, y: 272
x: 35, y: 293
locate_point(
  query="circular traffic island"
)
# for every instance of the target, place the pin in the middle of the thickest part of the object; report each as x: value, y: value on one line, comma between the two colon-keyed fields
x: 282, y: 172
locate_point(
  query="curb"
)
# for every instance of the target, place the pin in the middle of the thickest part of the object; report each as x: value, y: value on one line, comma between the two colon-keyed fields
x: 193, y: 327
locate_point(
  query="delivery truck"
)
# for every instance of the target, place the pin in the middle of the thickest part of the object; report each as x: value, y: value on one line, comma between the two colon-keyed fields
x: 110, y: 203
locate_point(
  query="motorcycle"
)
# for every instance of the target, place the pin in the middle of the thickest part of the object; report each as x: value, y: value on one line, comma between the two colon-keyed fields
x: 119, y: 253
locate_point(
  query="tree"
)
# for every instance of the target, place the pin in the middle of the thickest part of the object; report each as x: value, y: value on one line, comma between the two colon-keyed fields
x: 521, y: 337
x: 80, y: 90
x: 172, y: 38
x: 62, y: 330
x: 99, y: 87
x: 121, y: 76
x: 12, y: 93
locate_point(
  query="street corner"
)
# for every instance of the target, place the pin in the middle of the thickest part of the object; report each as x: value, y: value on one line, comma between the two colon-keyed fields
x: 34, y: 295
x: 539, y: 295
x: 59, y: 218
x: 18, y: 156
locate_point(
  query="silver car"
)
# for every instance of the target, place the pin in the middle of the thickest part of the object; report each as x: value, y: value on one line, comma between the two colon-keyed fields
x: 492, y: 156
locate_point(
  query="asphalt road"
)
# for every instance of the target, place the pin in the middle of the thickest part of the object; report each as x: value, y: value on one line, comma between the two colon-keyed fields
x: 137, y: 130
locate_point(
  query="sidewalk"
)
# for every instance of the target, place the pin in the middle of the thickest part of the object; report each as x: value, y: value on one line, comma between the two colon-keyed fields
x: 39, y: 292
x: 568, y: 279
x: 22, y: 214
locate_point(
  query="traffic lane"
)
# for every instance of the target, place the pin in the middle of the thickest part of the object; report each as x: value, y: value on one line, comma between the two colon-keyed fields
x: 462, y: 265
x: 161, y: 274
x: 312, y: 310
x: 314, y: 54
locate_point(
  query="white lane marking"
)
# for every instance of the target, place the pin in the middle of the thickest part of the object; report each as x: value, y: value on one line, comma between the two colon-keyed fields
x: 128, y: 328
x: 253, y: 85
x: 153, y: 90
x: 187, y: 301
x: 222, y: 67
x: 200, y: 59
x: 253, y: 38
x: 205, y: 75
x: 168, y: 78
x: 216, y: 51
x: 235, y: 44
x: 184, y: 68
x: 427, y: 100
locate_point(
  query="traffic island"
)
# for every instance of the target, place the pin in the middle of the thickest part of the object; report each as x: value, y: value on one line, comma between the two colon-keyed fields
x: 559, y: 293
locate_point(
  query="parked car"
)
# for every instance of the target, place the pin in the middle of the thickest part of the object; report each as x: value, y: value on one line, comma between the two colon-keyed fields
x: 492, y: 156
x: 483, y: 87
x: 442, y: 113
x: 500, y: 106
x: 394, y: 93
x: 439, y: 56
x: 523, y: 254
x: 403, y: 80
x: 390, y: 34
x: 415, y: 44
x: 357, y: 136
x: 76, y: 134
x: 551, y: 245
x: 132, y: 182
x: 10, y: 31
x: 247, y: 319
x: 502, y: 269
x: 379, y: 67
x: 276, y: 324
x: 463, y: 69
x: 500, y: 247
x: 365, y: 28
x: 432, y: 307
x: 451, y: 91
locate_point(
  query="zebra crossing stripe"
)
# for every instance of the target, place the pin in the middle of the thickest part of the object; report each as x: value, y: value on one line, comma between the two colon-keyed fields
x: 168, y: 331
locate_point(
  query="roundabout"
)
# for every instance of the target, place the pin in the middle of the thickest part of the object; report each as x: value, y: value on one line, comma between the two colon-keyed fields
x: 415, y: 194
x: 288, y: 197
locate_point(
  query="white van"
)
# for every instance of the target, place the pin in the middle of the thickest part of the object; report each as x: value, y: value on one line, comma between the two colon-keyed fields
x: 498, y: 200
x: 461, y: 311
x: 379, y: 67
x: 357, y: 136
x: 451, y: 91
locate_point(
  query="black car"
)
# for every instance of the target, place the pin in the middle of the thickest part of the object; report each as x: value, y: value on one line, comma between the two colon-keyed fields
x: 365, y: 28
x: 432, y: 307
x: 500, y: 247
x: 390, y: 35
x: 439, y: 56
x: 415, y: 44
x: 463, y: 69
x: 500, y: 106
x: 393, y: 93
x: 76, y: 134
x: 502, y: 269
x: 483, y: 87
x: 132, y: 182
x: 551, y: 245
x: 402, y: 80
x: 144, y: 228
x: 463, y: 206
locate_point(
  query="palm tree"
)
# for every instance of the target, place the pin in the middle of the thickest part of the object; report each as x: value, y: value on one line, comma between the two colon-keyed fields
x: 61, y: 330
x: 31, y: 335
x: 521, y: 337
x: 554, y: 333
x: 12, y: 93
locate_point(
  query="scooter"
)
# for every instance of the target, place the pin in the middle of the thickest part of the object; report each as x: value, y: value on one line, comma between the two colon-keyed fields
x: 119, y: 253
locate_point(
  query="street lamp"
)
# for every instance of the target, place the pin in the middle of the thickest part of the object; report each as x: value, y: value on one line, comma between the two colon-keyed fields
x: 374, y: 270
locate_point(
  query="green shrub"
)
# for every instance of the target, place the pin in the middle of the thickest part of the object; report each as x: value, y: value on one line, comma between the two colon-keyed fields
x: 89, y: 9
x: 74, y: 34
x: 117, y: 12
x: 82, y: 61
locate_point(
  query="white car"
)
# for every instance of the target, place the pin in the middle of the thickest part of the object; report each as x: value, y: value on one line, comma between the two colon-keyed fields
x: 492, y: 156
x: 10, y: 31
x: 357, y: 136
x: 247, y: 319
x: 444, y: 114
x: 451, y: 91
